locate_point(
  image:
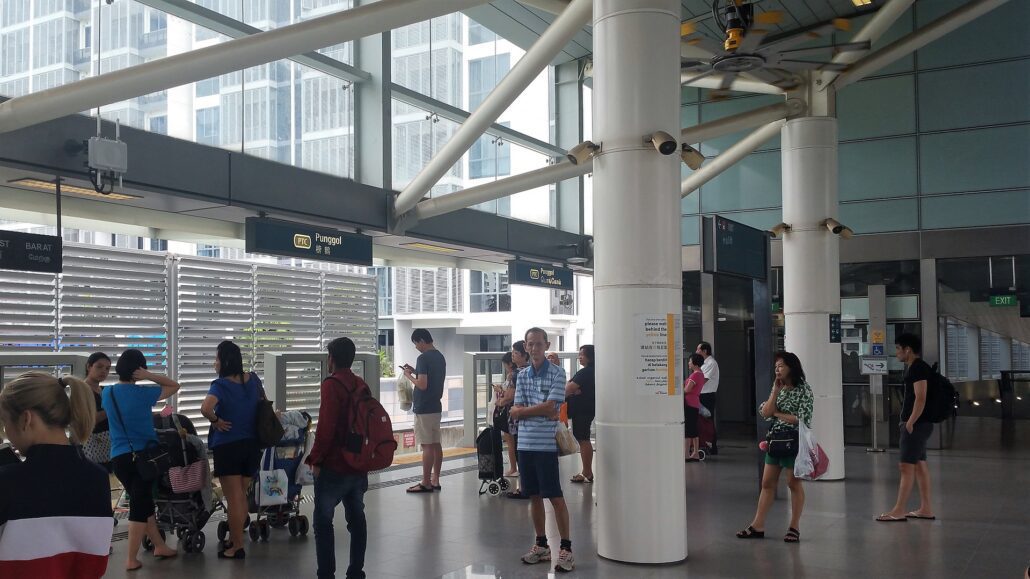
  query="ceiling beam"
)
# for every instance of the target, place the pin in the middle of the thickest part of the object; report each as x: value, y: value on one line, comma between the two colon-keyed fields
x: 739, y: 122
x: 222, y: 24
x: 204, y: 63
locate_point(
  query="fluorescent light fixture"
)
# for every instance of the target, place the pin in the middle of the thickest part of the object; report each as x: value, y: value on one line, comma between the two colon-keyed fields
x: 861, y: 3
x: 997, y: 400
x: 430, y: 247
x: 49, y: 187
x: 975, y: 403
x: 577, y: 260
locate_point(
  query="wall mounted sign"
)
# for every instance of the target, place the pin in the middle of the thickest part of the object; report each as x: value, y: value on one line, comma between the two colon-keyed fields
x: 31, y: 252
x: 1004, y: 301
x: 540, y: 275
x: 658, y: 365
x: 733, y: 248
x: 285, y: 238
x: 874, y: 366
x: 835, y: 331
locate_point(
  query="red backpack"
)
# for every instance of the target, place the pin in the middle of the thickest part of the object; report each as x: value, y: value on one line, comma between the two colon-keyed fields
x: 367, y: 436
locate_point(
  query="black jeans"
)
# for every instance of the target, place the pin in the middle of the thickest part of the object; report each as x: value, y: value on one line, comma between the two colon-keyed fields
x: 331, y: 489
x: 709, y: 401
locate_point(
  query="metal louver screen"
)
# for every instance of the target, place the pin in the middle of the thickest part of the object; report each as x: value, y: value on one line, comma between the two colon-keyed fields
x: 111, y: 300
x: 349, y: 308
x: 28, y: 311
x: 215, y: 301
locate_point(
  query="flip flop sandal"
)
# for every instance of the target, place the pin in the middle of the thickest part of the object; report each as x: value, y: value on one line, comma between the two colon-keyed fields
x: 885, y: 518
x: 580, y: 479
x: 914, y: 515
x: 750, y: 533
x: 793, y: 536
x: 437, y: 488
x: 420, y: 488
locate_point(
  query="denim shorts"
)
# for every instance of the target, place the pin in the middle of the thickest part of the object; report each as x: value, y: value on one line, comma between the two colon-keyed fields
x: 538, y: 472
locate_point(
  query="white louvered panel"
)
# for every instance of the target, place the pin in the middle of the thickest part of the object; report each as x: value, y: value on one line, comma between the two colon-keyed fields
x: 349, y: 303
x: 112, y: 300
x: 28, y: 311
x: 215, y: 303
x: 303, y: 384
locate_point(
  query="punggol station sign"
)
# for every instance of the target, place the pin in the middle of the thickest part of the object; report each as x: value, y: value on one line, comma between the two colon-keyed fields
x: 290, y: 239
x: 30, y: 252
x: 539, y: 274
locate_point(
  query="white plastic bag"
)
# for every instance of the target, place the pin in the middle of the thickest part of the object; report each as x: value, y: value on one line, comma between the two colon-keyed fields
x: 305, y: 476
x: 567, y: 443
x: 405, y: 392
x: 811, y: 462
x: 272, y: 483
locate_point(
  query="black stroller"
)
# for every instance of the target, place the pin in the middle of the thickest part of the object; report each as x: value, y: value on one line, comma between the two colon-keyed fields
x: 491, y: 462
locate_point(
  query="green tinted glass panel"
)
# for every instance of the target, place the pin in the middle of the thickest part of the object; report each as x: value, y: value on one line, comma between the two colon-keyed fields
x: 975, y: 160
x: 974, y: 96
x: 901, y: 27
x: 719, y: 109
x: 877, y: 169
x: 1001, y: 33
x: 764, y: 220
x: 689, y: 94
x: 690, y: 230
x: 688, y: 116
x: 753, y: 183
x: 877, y: 108
x: 880, y: 216
x: 691, y: 203
x: 979, y: 209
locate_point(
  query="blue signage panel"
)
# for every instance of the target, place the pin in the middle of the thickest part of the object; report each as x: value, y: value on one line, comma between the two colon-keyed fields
x: 540, y: 275
x: 289, y: 239
x: 732, y: 248
x: 877, y: 350
x: 835, y: 331
x: 31, y: 252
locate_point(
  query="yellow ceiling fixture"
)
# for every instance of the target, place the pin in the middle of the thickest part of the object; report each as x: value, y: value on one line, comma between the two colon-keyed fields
x: 50, y: 187
x: 860, y: 3
x: 430, y: 247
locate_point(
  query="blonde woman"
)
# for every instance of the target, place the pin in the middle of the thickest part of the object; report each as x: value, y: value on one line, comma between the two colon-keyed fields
x: 55, y: 506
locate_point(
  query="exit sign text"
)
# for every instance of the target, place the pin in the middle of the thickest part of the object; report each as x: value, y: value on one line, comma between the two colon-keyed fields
x: 1008, y: 301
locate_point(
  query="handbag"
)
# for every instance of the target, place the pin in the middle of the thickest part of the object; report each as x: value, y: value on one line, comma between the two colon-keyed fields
x: 269, y: 430
x: 272, y: 484
x: 189, y: 478
x: 149, y: 462
x: 783, y: 443
x: 567, y: 443
x: 98, y: 447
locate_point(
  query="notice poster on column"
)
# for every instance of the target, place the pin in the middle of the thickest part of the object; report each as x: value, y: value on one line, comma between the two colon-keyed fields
x: 658, y: 364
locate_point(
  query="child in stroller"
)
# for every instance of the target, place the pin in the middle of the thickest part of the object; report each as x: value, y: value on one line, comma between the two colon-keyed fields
x: 288, y: 454
x: 183, y: 514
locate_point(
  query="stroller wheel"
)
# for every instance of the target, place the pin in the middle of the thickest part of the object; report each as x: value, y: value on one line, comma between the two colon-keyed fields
x: 294, y: 526
x: 494, y: 489
x: 148, y: 545
x: 304, y: 526
x: 505, y: 485
x: 223, y: 530
x: 702, y: 454
x: 197, y: 541
x: 265, y: 530
x: 186, y: 541
x: 255, y: 535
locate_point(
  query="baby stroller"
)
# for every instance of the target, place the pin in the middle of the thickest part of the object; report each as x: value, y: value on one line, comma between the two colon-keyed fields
x: 491, y: 462
x: 288, y: 454
x: 183, y: 514
x: 705, y: 432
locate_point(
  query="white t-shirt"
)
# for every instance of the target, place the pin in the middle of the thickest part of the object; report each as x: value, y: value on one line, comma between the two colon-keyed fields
x: 711, y: 371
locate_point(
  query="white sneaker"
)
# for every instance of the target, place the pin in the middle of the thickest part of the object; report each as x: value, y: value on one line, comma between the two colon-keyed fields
x: 536, y: 555
x: 566, y: 562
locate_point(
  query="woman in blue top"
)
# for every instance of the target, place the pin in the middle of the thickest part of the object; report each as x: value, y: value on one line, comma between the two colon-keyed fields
x: 231, y: 406
x: 129, y: 407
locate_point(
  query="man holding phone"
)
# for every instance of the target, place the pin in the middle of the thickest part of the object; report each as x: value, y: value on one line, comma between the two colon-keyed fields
x: 427, y: 377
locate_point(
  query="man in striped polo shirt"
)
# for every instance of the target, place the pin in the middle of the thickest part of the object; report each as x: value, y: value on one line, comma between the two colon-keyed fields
x: 539, y: 393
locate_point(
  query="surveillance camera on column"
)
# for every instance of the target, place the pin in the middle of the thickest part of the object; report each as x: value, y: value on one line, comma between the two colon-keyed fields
x: 582, y: 152
x: 779, y: 229
x: 691, y: 157
x: 837, y: 228
x: 662, y: 142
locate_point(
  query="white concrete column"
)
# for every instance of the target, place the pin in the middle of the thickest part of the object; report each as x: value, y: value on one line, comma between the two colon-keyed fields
x: 811, y: 272
x: 640, y: 498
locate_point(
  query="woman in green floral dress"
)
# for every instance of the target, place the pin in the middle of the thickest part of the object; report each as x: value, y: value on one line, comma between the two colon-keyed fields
x: 790, y: 400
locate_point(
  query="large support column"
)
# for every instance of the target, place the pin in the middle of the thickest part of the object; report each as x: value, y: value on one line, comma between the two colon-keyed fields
x: 811, y: 272
x: 641, y: 504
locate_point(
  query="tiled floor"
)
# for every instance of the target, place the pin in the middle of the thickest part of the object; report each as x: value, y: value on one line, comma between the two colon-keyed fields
x: 981, y: 498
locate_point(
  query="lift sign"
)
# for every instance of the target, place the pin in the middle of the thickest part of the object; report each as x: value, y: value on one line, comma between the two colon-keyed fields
x: 31, y: 252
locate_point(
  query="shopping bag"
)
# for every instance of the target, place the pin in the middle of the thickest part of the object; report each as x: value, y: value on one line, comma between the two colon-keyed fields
x: 811, y: 462
x: 567, y: 444
x: 189, y: 478
x: 405, y: 392
x: 272, y: 483
x: 305, y: 476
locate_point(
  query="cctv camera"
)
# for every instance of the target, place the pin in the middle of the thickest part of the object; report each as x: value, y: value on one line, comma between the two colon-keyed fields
x: 663, y: 142
x: 582, y: 152
x: 691, y: 157
x: 779, y: 229
x: 833, y: 225
x: 846, y: 233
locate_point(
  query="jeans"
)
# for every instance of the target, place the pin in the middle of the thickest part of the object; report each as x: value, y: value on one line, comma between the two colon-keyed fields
x: 332, y: 488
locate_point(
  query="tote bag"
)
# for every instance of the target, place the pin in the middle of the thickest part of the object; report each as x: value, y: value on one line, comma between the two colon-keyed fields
x: 272, y: 483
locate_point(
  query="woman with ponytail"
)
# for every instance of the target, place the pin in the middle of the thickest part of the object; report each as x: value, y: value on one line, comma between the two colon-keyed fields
x: 55, y: 506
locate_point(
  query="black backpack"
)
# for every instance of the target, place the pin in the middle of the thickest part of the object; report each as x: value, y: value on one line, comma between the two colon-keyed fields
x: 941, y: 398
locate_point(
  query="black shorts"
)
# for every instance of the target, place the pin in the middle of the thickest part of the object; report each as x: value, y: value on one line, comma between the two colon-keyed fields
x: 539, y: 474
x: 581, y: 427
x: 239, y: 458
x: 913, y: 446
x: 690, y: 415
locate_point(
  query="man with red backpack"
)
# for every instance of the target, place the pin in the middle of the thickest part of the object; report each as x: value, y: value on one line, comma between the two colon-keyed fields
x: 349, y: 442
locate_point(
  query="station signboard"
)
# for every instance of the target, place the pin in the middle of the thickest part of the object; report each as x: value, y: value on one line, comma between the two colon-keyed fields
x: 733, y: 248
x: 285, y: 238
x: 31, y: 252
x: 540, y: 275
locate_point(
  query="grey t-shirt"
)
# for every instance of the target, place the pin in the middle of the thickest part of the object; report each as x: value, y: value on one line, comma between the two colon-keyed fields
x: 434, y: 366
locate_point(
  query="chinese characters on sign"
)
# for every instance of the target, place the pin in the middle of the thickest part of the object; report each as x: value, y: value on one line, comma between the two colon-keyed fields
x: 659, y: 365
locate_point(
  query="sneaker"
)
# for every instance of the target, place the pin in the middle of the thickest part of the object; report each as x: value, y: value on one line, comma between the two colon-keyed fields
x: 536, y: 555
x: 566, y: 562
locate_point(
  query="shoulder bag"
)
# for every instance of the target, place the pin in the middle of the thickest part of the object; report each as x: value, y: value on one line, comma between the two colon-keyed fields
x: 269, y: 429
x: 152, y: 460
x: 783, y: 443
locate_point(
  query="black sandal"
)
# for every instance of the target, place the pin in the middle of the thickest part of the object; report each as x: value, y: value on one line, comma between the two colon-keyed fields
x: 750, y: 533
x: 420, y: 488
x: 793, y: 536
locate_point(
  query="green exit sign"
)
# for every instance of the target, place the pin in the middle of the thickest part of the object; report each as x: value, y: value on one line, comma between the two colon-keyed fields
x: 1009, y: 301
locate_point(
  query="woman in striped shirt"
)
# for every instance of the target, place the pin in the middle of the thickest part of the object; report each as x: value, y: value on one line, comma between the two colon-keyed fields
x: 55, y: 506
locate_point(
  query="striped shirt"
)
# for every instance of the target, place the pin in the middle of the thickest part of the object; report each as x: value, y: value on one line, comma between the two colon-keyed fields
x: 532, y: 387
x: 55, y: 515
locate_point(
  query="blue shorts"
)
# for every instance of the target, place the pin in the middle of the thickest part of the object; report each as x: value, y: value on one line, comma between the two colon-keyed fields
x: 538, y: 472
